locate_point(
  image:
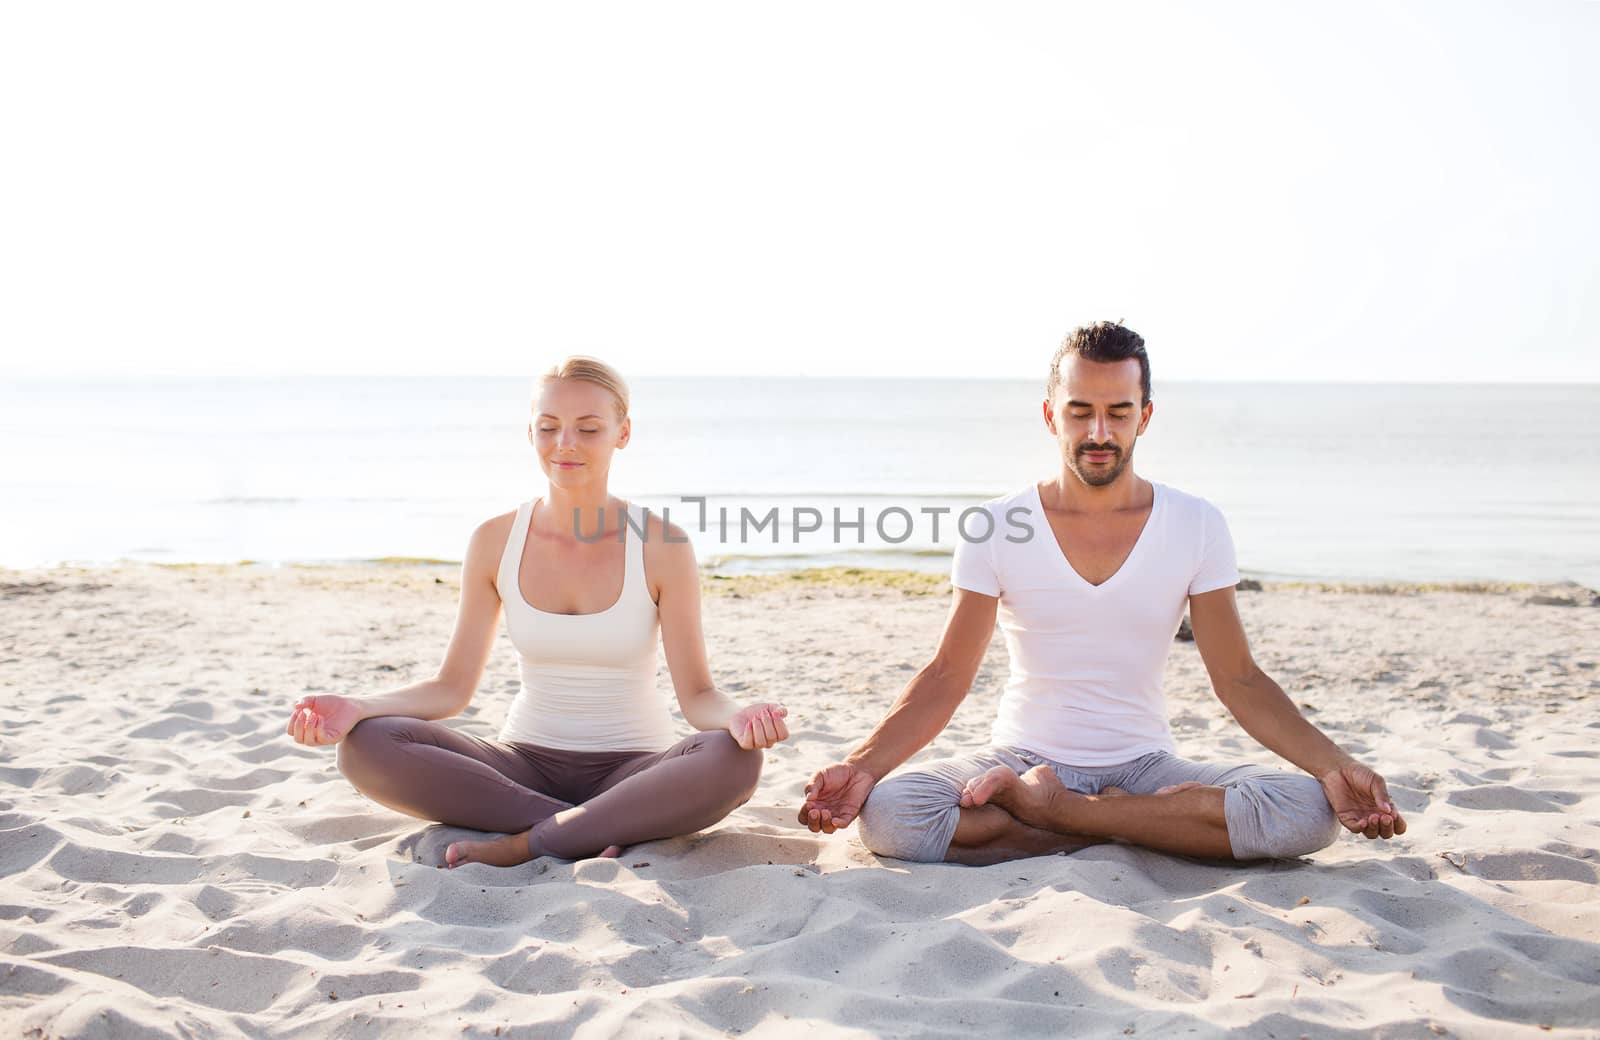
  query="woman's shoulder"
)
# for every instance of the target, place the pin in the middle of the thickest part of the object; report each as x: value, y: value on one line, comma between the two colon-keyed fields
x: 661, y: 532
x: 666, y: 544
x: 489, y: 538
x: 498, y: 526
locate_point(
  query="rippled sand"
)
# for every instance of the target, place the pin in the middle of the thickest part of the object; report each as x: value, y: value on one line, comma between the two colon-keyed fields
x: 172, y: 865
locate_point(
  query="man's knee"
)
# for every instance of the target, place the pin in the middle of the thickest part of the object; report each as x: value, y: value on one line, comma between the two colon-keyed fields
x: 901, y: 817
x: 1324, y: 827
x: 1280, y: 817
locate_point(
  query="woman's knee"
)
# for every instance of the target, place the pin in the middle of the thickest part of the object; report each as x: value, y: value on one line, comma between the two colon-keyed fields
x: 367, y: 748
x: 739, y: 767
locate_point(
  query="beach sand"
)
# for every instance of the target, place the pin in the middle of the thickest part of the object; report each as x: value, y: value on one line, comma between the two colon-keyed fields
x: 171, y: 864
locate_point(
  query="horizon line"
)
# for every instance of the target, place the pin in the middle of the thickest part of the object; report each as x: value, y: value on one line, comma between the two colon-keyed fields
x: 743, y: 376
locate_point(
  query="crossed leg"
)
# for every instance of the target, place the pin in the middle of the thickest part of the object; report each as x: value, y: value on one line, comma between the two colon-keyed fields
x: 433, y: 772
x: 997, y: 805
x: 1173, y: 805
x: 430, y: 771
x: 683, y: 789
x: 918, y: 815
x: 1189, y: 820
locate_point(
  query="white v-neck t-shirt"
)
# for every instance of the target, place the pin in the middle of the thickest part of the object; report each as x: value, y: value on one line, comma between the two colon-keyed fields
x: 1087, y: 660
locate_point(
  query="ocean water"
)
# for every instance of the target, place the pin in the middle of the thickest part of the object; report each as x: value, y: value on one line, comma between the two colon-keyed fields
x: 1318, y: 481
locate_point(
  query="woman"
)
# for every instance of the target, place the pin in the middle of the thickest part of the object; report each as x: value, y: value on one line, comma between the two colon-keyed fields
x: 586, y: 762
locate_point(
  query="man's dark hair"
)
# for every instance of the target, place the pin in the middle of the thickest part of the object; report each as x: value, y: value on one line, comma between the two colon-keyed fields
x: 1102, y: 341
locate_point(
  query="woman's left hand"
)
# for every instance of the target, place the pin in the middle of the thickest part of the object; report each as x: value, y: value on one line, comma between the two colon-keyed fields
x: 759, y: 726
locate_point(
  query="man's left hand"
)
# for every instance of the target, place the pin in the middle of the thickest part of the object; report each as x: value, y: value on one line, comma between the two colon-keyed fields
x: 1360, y: 799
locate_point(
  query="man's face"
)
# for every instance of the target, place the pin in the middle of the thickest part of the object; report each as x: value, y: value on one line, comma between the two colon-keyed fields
x: 1096, y: 416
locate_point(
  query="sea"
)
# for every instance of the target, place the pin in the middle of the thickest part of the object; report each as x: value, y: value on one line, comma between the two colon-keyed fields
x: 1319, y: 482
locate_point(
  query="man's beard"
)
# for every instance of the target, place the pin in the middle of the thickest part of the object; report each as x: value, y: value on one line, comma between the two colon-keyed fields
x: 1098, y: 477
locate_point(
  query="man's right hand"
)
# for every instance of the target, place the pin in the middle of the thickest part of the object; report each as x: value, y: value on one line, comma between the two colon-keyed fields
x: 327, y: 719
x: 834, y: 797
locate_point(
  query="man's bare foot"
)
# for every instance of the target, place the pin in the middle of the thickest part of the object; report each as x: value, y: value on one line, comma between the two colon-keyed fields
x: 501, y: 852
x: 1037, y: 797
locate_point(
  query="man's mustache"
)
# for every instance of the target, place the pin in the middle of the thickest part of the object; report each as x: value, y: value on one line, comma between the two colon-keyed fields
x: 1084, y: 449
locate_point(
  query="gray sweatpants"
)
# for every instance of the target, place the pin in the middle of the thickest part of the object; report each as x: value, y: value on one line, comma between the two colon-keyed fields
x: 1271, y: 814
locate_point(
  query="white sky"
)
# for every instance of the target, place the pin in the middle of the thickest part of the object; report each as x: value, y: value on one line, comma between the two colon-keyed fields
x: 1361, y: 191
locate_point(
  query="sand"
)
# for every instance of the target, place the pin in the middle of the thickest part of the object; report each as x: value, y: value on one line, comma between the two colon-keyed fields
x: 172, y: 865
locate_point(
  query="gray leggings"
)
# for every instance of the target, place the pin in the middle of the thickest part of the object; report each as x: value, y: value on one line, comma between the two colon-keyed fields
x: 1271, y: 814
x: 572, y: 803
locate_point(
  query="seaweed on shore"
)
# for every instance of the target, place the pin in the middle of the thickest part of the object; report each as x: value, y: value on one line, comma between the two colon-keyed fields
x: 911, y: 583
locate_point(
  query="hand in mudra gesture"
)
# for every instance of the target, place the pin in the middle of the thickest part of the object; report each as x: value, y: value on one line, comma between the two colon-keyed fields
x: 321, y: 720
x: 759, y: 726
x: 1361, y: 800
x: 834, y: 797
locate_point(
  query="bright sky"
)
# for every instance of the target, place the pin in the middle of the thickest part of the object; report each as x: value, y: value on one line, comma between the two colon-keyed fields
x: 1363, y: 191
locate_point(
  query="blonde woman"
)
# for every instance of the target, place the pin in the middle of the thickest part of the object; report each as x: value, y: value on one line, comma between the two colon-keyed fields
x: 587, y: 761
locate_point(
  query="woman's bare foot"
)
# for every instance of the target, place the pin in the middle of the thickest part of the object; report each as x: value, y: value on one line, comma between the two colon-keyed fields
x: 501, y: 852
x: 504, y: 852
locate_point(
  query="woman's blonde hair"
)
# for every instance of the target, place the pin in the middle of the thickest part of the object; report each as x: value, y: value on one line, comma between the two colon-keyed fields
x: 591, y: 370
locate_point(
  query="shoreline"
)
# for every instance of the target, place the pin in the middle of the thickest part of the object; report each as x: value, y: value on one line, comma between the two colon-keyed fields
x: 831, y: 577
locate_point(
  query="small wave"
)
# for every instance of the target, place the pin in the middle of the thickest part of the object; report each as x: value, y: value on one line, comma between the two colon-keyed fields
x: 820, y: 499
x: 886, y: 559
x: 275, y: 500
x: 887, y: 550
x: 410, y: 561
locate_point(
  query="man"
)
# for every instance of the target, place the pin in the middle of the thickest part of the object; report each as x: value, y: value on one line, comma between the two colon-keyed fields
x: 1089, y: 573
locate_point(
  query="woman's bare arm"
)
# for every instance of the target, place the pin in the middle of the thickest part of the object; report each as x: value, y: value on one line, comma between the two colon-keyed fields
x: 675, y: 578
x: 327, y: 719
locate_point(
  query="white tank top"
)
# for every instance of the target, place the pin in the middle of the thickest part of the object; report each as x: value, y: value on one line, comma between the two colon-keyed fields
x: 588, y: 680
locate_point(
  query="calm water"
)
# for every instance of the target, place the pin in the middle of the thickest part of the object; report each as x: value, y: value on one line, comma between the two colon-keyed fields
x: 1318, y: 481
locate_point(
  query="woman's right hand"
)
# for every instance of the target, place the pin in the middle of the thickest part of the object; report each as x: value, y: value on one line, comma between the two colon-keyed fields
x: 328, y: 719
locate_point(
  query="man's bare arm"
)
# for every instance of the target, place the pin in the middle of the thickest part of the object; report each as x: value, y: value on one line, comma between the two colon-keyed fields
x: 928, y: 701
x: 1250, y: 694
x: 1359, y: 796
x: 836, y: 793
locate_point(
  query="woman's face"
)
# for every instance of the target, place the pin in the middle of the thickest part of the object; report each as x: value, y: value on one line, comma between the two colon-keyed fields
x: 575, y: 429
